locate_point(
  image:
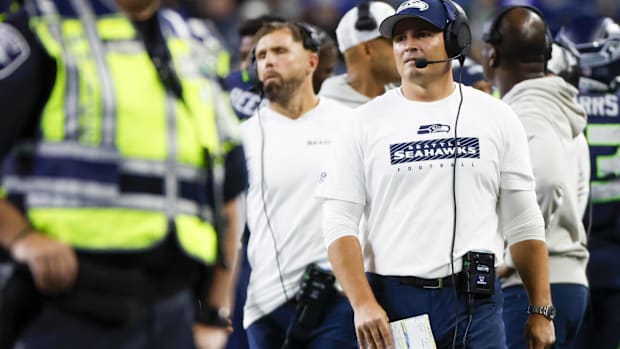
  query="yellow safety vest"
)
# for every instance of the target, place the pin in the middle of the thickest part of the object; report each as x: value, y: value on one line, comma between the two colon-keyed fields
x: 118, y: 156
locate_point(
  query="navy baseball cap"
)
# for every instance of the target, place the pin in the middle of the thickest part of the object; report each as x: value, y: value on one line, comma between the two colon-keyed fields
x: 432, y: 11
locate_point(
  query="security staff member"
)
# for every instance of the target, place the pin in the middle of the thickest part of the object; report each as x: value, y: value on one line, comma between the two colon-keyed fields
x: 108, y: 140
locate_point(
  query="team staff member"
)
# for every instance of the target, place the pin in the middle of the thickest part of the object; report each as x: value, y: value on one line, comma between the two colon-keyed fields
x: 367, y: 55
x: 404, y: 184
x: 107, y: 164
x: 286, y: 141
x: 245, y: 99
x: 514, y: 58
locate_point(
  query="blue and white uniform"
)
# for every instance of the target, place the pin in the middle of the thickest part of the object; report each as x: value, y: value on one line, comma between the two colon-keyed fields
x: 596, y: 39
x: 244, y: 100
x: 603, y: 133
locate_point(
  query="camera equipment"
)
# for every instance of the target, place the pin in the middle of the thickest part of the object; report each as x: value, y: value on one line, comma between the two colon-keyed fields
x: 479, y: 273
x: 317, y: 289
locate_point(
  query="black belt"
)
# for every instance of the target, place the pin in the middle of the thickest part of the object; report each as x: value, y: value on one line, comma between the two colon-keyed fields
x: 447, y: 281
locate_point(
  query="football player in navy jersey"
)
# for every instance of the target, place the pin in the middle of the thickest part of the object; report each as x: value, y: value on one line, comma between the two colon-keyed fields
x: 598, y: 42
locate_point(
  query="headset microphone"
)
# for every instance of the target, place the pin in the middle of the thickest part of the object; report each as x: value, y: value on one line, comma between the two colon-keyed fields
x: 423, y: 62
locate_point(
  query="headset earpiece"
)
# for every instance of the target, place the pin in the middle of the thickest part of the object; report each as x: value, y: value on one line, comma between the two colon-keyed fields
x: 311, y: 38
x: 365, y: 21
x: 257, y: 85
x: 457, y: 34
x: 548, y: 42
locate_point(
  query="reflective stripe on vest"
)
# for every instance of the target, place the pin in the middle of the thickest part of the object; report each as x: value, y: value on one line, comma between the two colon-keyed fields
x: 119, y: 156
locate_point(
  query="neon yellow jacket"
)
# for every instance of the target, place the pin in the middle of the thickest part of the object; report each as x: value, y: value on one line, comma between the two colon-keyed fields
x: 118, y: 156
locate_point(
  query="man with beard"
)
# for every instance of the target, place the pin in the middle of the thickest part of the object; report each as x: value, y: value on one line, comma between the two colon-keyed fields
x: 287, y: 140
x: 240, y: 84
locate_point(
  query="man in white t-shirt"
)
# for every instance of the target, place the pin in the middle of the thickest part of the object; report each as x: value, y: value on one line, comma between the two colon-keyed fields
x: 287, y: 141
x: 426, y: 207
x: 368, y: 56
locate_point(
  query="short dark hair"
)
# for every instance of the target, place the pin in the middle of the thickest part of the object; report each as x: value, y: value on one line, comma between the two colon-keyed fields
x: 251, y: 26
x: 270, y: 27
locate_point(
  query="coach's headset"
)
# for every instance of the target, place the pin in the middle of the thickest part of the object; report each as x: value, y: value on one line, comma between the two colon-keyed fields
x: 457, y: 34
x: 494, y: 37
x: 311, y: 41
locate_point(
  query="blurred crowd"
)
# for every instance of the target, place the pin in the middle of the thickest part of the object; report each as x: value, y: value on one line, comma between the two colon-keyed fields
x: 228, y: 14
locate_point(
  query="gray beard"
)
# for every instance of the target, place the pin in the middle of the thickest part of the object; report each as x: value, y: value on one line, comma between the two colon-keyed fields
x: 281, y: 93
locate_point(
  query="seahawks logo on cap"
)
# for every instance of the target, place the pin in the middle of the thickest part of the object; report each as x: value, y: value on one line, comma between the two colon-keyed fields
x: 418, y: 4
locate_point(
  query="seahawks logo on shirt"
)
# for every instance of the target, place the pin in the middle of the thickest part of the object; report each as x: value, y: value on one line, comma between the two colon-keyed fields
x: 425, y: 129
x: 434, y: 149
x: 14, y: 50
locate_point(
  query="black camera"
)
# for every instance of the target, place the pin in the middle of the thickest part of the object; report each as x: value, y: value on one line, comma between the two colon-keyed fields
x: 315, y: 294
x: 479, y: 273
